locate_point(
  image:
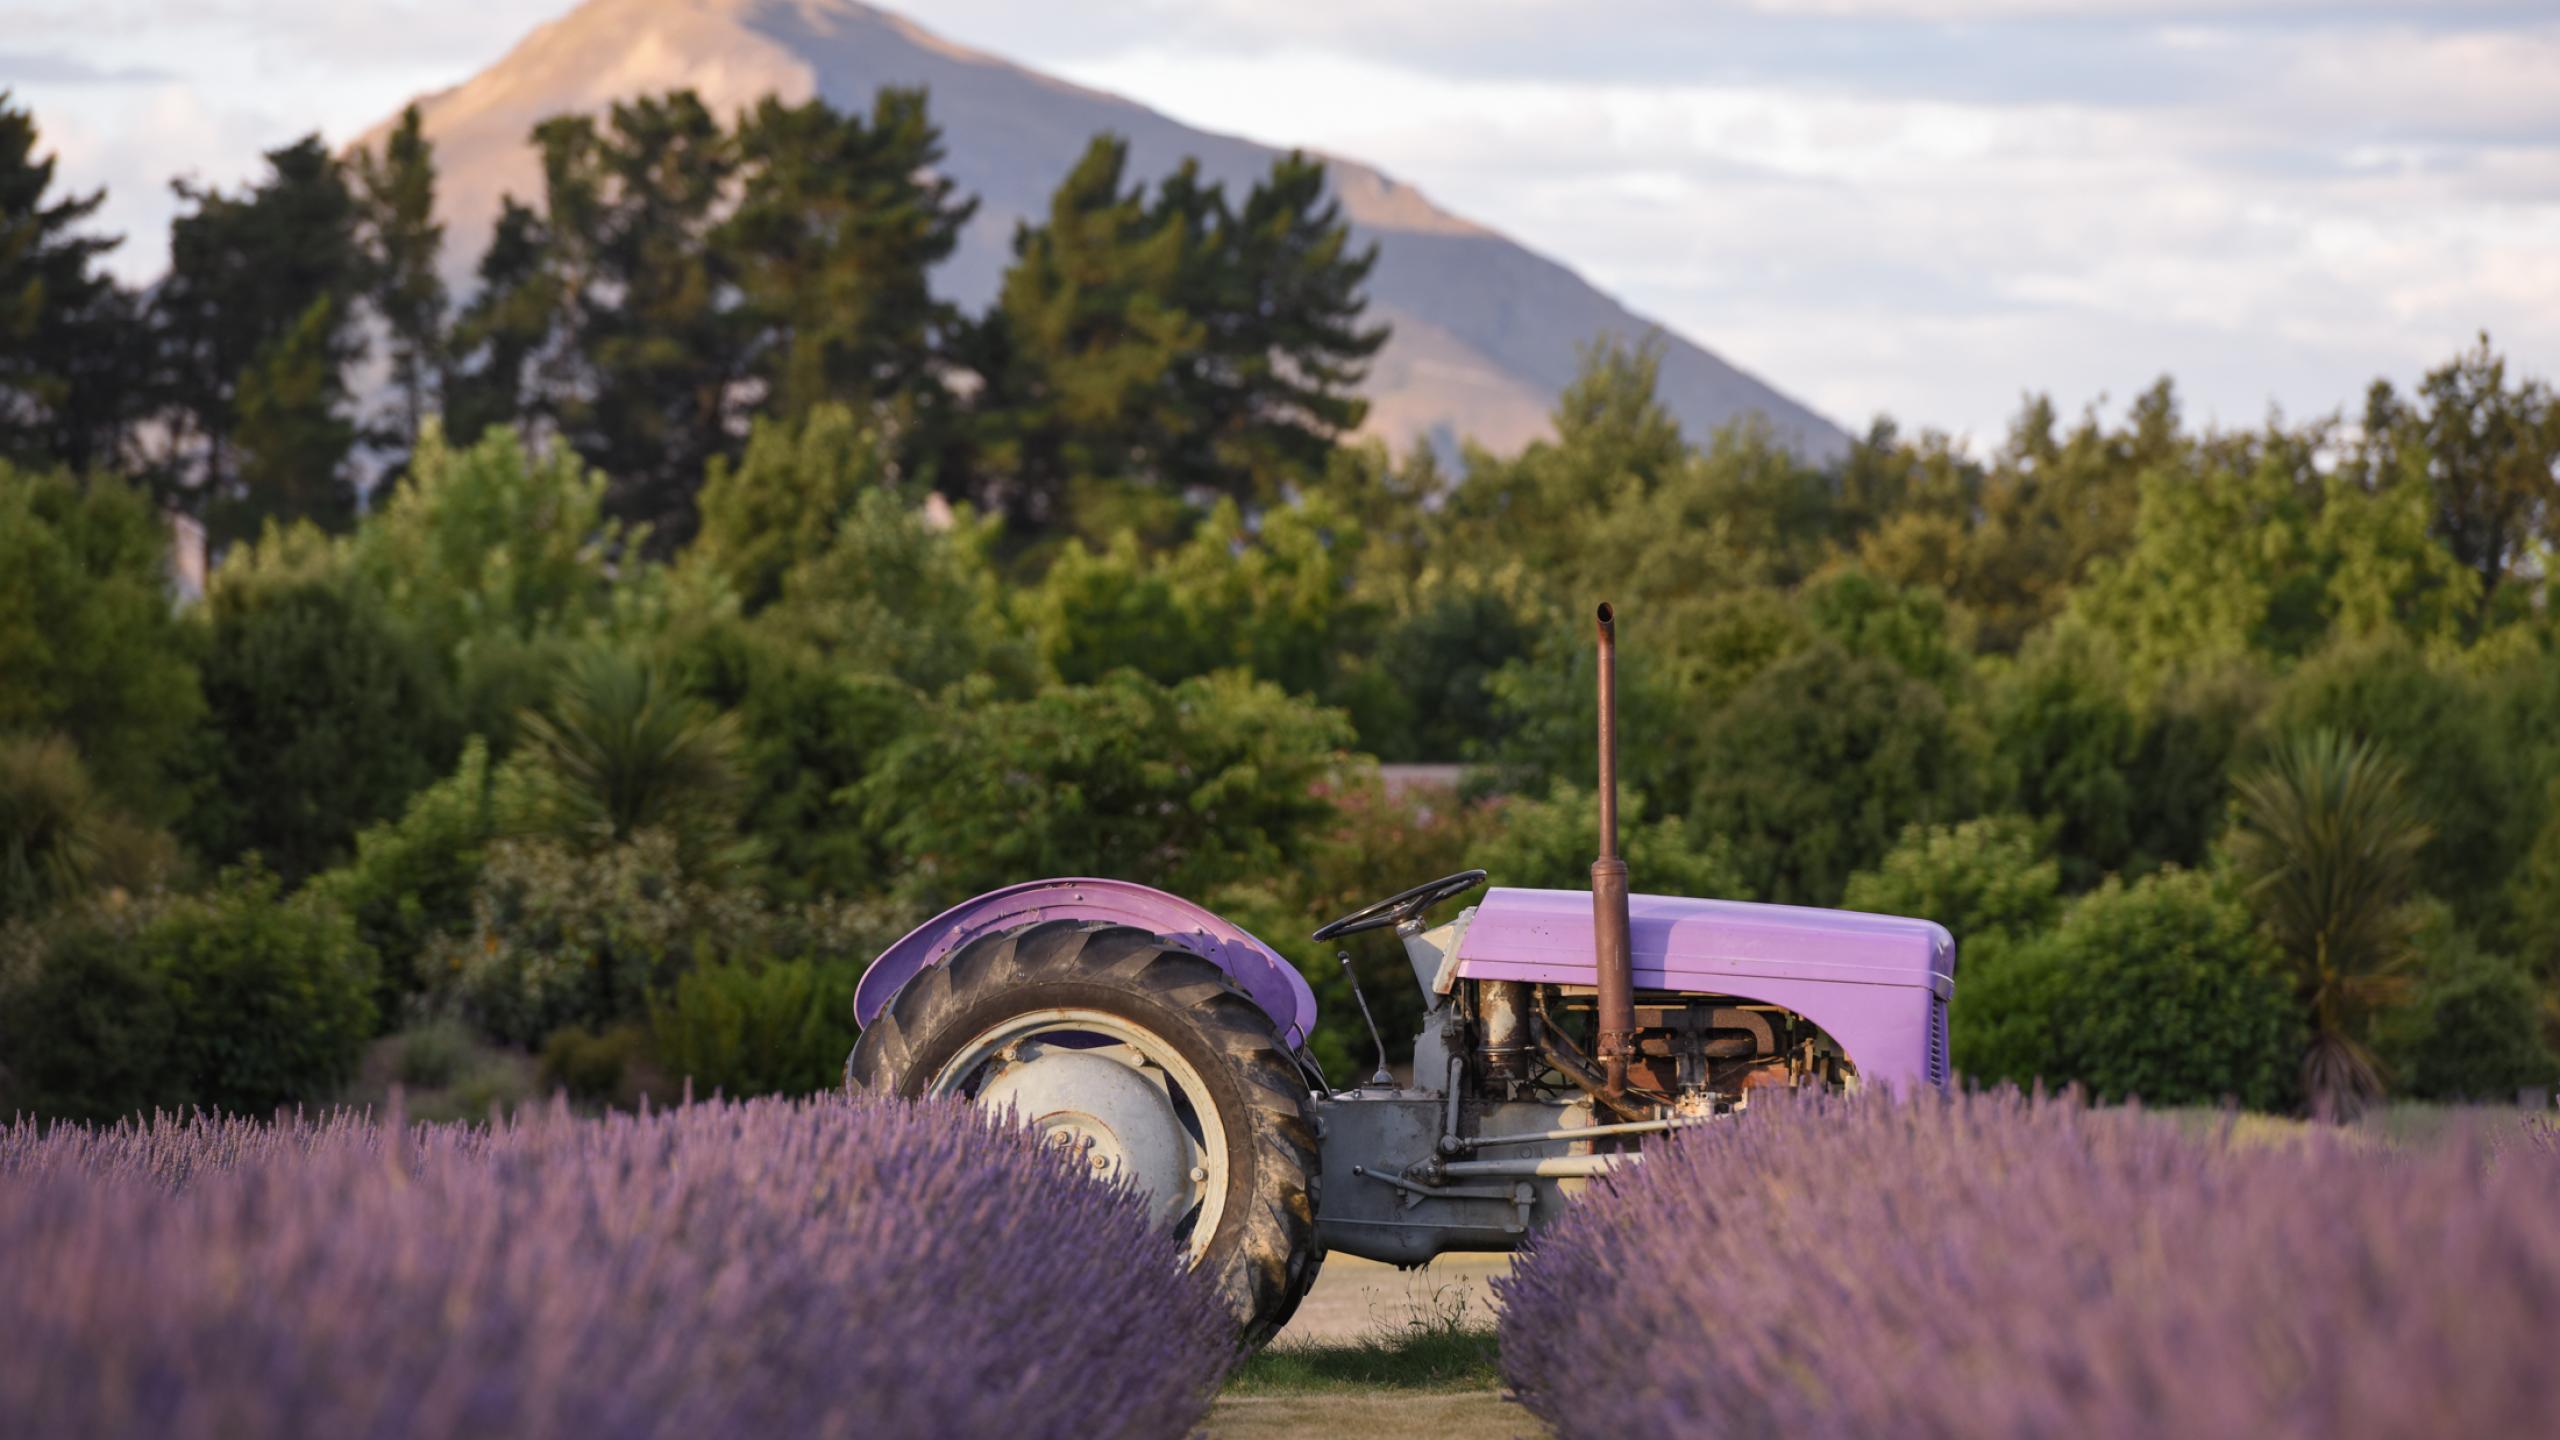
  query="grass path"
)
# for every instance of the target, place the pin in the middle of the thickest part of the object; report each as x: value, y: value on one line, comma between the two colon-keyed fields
x: 1375, y: 1350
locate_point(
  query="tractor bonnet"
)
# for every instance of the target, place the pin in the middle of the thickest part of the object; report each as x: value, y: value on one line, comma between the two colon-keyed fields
x: 1878, y: 984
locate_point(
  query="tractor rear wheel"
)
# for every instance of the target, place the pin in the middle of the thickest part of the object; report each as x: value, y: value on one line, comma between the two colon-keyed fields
x: 1147, y: 1059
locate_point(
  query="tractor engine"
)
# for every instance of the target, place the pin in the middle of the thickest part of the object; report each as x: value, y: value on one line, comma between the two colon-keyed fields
x: 1692, y: 1054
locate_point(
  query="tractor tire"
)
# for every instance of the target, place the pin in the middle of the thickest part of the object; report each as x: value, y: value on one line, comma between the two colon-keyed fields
x: 1264, y: 1251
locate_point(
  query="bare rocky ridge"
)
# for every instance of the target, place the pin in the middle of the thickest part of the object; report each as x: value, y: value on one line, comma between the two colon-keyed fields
x: 1485, y: 330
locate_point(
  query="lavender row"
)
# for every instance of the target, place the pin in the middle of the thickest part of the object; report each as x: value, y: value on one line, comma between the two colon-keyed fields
x: 1992, y: 1264
x: 822, y: 1268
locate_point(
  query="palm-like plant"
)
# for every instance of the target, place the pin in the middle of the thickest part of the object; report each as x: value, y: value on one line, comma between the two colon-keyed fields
x: 622, y: 751
x: 2327, y: 843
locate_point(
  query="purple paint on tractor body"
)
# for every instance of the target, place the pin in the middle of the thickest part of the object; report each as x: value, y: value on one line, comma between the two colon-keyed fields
x: 1878, y: 984
x: 1258, y: 970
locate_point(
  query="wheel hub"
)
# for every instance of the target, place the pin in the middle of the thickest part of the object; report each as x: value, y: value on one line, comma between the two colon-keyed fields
x: 1107, y: 1107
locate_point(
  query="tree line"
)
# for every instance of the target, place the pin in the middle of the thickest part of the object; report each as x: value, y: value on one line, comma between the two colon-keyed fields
x: 677, y: 278
x: 2227, y: 754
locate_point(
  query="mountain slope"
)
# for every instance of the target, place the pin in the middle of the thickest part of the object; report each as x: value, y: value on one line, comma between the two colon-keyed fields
x: 1485, y: 330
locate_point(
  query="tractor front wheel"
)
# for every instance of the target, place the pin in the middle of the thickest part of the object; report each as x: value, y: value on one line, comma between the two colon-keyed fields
x: 1147, y: 1061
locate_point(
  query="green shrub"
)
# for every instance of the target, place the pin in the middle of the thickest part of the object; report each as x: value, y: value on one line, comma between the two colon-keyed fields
x: 412, y: 879
x: 498, y: 554
x: 2192, y: 728
x: 1440, y: 659
x: 890, y: 596
x: 1817, y: 765
x: 2472, y: 1026
x: 86, y: 1028
x: 1993, y: 882
x: 601, y: 1068
x: 561, y: 937
x: 1182, y: 786
x: 442, y: 1071
x: 434, y: 1055
x: 2476, y: 793
x: 810, y: 729
x: 762, y: 1027
x: 271, y: 999
x: 1907, y: 625
x: 326, y: 711
x: 89, y: 646
x: 1546, y: 711
x: 2162, y: 989
x: 1550, y: 844
x: 237, y: 999
x: 1988, y: 878
x: 781, y: 505
x: 2064, y: 737
x: 2533, y: 895
x: 490, y: 1089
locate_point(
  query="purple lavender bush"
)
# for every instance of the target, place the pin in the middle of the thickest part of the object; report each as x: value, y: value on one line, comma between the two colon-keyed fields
x: 822, y: 1268
x: 1991, y: 1265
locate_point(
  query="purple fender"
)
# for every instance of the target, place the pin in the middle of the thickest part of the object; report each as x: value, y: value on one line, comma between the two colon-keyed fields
x: 1878, y: 984
x: 1258, y: 970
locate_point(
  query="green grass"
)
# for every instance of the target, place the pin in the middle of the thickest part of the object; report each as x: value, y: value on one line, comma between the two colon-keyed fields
x: 2400, y: 1125
x: 1442, y: 1348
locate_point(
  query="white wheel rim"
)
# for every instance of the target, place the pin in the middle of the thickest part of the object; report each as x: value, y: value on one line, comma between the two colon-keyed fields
x: 1114, y: 1093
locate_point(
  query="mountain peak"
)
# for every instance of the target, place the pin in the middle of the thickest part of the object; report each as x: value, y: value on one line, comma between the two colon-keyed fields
x: 1485, y: 331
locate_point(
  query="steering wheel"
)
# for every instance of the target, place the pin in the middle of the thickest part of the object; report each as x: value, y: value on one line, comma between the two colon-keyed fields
x: 1402, y: 905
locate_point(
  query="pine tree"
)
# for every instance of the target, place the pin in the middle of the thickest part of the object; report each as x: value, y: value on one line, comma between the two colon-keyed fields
x: 1279, y: 294
x: 70, y: 356
x: 1173, y: 343
x: 644, y: 301
x: 506, y: 330
x: 838, y: 222
x: 1085, y: 339
x: 291, y: 435
x: 396, y: 201
x: 2490, y: 452
x: 248, y: 276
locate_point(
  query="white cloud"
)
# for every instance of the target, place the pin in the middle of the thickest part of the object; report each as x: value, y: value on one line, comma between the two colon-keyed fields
x: 2369, y: 199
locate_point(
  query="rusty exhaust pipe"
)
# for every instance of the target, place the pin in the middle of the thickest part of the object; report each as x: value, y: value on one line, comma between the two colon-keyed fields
x: 1615, y: 962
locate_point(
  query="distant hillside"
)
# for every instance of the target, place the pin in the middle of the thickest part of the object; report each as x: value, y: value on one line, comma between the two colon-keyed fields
x: 1485, y: 329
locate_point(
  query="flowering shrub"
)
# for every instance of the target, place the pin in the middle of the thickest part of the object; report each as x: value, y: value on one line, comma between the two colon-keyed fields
x: 1993, y: 1265
x: 824, y: 1268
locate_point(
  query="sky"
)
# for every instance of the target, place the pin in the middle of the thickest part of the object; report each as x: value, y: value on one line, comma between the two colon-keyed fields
x: 1915, y: 208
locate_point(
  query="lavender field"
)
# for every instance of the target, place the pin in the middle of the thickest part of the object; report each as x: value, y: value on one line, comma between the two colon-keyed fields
x: 821, y: 1268
x: 1998, y: 1265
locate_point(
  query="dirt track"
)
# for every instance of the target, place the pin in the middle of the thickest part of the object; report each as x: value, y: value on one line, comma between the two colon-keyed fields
x: 1354, y: 1299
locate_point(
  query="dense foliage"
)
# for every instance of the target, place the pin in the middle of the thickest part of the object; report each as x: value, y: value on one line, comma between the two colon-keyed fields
x: 1992, y: 1265
x: 696, y: 603
x: 2162, y: 989
x: 236, y: 998
x: 821, y: 1269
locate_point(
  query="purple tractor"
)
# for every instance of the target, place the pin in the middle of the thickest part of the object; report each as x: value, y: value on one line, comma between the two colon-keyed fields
x: 1560, y: 1028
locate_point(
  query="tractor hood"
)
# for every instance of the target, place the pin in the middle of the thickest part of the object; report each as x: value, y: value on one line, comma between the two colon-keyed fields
x: 1545, y: 936
x: 1876, y: 984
